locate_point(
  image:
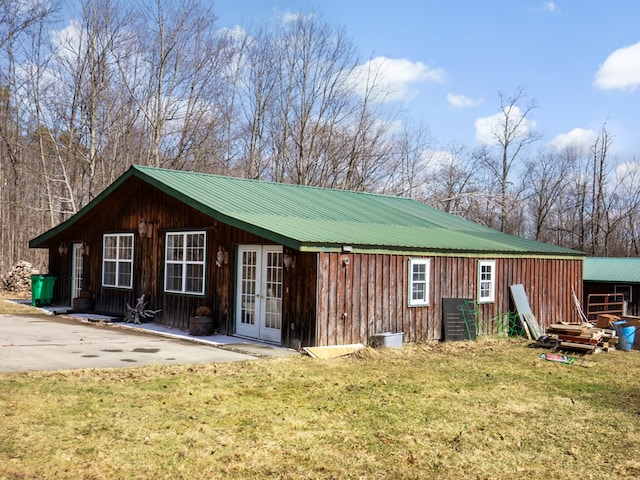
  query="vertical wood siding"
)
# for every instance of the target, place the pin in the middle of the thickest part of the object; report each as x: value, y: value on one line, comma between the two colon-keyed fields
x: 121, y: 213
x: 369, y: 295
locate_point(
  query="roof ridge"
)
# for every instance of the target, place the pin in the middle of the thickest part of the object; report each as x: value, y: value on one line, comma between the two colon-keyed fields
x: 273, y: 182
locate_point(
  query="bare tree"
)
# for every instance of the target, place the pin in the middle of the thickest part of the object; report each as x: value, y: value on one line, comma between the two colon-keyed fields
x: 256, y: 81
x: 510, y: 135
x: 19, y: 22
x: 453, y: 185
x: 599, y: 213
x: 172, y: 79
x: 545, y: 185
x: 325, y: 129
x: 627, y: 241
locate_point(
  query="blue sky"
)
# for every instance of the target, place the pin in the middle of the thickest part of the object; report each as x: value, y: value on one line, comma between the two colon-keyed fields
x: 449, y: 59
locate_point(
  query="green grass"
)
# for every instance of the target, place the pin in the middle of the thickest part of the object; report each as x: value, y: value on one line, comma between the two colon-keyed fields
x: 490, y: 409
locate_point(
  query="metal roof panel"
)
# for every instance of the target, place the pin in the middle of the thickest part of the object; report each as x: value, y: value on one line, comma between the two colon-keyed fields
x: 314, y: 218
x: 612, y: 269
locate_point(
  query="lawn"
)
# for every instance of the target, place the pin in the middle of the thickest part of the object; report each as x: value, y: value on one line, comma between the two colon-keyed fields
x: 482, y: 410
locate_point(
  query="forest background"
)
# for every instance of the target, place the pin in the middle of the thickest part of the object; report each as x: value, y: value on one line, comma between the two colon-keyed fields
x: 159, y: 83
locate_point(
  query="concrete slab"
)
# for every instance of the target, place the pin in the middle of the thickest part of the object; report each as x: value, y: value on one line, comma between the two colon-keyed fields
x: 48, y: 342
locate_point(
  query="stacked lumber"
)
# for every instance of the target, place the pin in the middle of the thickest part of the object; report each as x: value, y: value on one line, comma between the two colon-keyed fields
x: 583, y: 337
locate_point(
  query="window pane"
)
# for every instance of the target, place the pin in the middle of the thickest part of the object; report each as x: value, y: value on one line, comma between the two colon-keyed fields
x: 418, y: 291
x: 174, y: 247
x: 125, y: 251
x: 124, y: 274
x: 485, y: 272
x: 195, y: 279
x: 109, y: 270
x: 195, y: 250
x: 174, y: 277
x: 110, y: 247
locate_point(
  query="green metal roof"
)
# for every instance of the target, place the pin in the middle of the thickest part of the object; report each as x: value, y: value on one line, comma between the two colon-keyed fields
x: 610, y: 269
x: 317, y: 219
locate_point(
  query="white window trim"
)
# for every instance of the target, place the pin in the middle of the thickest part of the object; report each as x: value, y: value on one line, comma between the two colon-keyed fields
x: 492, y: 283
x: 184, y: 262
x: 425, y: 301
x: 118, y: 261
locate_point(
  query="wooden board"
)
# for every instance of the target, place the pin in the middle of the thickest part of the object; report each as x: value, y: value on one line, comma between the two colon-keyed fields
x: 333, y: 351
x: 534, y: 326
x: 574, y: 329
x: 577, y: 346
x: 458, y: 319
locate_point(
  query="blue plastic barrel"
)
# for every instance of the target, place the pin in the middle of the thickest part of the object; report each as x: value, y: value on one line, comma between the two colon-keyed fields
x: 626, y: 335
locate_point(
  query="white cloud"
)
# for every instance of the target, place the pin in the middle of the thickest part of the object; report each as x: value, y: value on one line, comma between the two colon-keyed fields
x: 550, y: 7
x: 488, y: 128
x: 627, y: 176
x: 627, y: 168
x: 394, y: 78
x: 621, y: 69
x: 578, y: 137
x: 459, y: 102
x: 67, y: 42
x: 440, y: 159
x: 289, y: 17
x: 236, y: 33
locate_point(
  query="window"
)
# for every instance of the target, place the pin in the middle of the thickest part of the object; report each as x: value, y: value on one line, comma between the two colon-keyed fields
x: 184, y: 263
x: 624, y: 290
x: 117, y: 260
x: 486, y: 281
x: 418, y: 282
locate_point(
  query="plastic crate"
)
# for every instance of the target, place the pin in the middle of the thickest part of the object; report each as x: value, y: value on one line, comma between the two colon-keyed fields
x: 387, y: 339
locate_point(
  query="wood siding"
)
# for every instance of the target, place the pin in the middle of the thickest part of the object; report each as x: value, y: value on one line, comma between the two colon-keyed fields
x: 121, y: 213
x: 369, y: 295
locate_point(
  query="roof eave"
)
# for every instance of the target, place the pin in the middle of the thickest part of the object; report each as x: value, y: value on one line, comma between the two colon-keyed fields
x: 41, y: 240
x: 437, y: 252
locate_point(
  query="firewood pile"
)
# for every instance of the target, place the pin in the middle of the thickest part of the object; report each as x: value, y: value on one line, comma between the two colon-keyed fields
x: 583, y: 337
x: 18, y: 279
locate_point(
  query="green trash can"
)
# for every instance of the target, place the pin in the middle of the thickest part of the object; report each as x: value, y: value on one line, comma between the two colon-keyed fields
x: 42, y: 289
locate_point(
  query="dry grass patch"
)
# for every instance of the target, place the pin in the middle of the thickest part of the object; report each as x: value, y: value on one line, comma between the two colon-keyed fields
x: 9, y: 306
x: 489, y: 409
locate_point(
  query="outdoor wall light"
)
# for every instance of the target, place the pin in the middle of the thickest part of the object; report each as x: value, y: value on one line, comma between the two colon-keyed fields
x: 288, y: 261
x: 145, y: 229
x: 62, y: 249
x: 222, y: 257
x: 84, y: 249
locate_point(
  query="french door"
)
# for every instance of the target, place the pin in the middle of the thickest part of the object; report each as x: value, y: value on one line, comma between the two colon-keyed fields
x: 76, y: 269
x: 259, y: 292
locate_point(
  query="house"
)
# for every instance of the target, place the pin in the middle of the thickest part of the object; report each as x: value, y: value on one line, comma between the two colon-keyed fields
x: 609, y: 281
x: 296, y: 265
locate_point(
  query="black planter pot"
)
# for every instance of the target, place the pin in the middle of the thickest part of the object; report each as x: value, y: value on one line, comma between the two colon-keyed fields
x: 201, y: 326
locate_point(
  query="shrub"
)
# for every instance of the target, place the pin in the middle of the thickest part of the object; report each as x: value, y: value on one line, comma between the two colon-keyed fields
x: 203, y: 311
